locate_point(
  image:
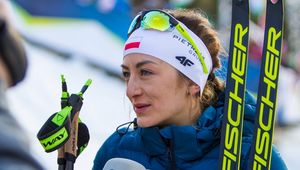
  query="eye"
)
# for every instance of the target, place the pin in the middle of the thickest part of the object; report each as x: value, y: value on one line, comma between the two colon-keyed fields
x: 125, y: 74
x: 145, y: 73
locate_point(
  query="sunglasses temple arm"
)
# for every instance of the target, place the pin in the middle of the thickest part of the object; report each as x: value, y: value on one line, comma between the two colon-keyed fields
x: 188, y: 37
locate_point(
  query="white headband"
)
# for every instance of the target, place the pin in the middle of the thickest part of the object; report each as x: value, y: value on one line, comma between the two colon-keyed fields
x: 173, y: 48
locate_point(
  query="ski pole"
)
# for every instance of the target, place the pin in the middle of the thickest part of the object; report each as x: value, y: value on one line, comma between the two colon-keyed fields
x: 56, y: 131
x: 64, y: 102
x: 75, y: 100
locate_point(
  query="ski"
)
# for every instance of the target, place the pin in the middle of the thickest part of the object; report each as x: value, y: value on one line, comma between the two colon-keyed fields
x: 232, y: 126
x: 230, y: 147
x: 261, y: 150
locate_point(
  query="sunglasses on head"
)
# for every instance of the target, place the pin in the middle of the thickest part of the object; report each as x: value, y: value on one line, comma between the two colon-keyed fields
x: 162, y: 21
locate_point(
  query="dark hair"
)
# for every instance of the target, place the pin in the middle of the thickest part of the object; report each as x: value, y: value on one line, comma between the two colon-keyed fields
x: 12, y: 52
x: 196, y: 22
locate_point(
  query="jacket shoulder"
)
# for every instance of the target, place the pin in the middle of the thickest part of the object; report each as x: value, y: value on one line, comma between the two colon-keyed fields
x: 119, y: 144
x: 106, y: 151
x: 277, y: 162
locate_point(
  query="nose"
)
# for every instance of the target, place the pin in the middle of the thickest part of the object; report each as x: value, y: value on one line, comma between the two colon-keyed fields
x: 133, y: 88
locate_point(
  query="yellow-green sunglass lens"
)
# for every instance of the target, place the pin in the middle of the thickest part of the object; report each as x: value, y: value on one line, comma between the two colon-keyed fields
x: 156, y: 20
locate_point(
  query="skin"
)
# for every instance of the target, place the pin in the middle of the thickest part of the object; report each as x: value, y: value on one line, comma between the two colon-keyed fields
x: 158, y: 94
x: 4, y: 74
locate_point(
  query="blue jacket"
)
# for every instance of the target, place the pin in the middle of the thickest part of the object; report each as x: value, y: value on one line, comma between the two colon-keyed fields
x: 184, y: 147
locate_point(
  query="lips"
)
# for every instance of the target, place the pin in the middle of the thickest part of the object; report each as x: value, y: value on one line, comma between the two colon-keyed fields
x: 141, y: 108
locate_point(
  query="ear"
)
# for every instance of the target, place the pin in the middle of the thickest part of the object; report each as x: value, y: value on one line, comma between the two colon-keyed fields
x: 194, y: 89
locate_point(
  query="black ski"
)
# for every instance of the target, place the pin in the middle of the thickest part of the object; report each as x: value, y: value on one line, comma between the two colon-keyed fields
x: 261, y: 150
x: 231, y: 139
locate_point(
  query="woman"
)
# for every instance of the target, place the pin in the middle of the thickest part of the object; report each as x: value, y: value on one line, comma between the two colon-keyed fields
x: 169, y: 69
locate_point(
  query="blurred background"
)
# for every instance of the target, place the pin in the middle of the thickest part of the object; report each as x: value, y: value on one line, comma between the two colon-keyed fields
x: 84, y: 39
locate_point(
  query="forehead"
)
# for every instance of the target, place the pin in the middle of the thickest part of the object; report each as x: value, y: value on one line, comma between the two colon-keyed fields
x: 134, y: 58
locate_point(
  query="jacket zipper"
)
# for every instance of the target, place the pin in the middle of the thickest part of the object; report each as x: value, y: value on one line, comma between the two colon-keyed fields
x: 171, y: 154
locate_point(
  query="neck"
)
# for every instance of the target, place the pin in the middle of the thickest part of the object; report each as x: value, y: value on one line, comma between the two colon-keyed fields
x: 193, y: 112
x: 188, y: 117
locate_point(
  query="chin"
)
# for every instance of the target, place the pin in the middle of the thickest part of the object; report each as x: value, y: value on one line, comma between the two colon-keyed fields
x: 142, y: 122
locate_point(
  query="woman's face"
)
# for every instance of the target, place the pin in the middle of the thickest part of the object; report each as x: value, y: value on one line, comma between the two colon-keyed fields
x: 155, y: 91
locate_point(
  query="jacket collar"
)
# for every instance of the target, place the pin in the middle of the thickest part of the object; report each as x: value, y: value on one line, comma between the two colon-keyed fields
x: 193, y: 142
x: 189, y: 142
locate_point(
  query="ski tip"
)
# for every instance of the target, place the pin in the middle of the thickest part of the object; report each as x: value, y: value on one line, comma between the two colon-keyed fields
x: 62, y: 77
x: 274, y: 1
x: 85, y: 87
x: 88, y: 82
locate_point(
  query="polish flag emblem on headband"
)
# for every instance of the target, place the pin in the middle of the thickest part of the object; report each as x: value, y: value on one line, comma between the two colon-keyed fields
x: 135, y: 43
x: 132, y: 45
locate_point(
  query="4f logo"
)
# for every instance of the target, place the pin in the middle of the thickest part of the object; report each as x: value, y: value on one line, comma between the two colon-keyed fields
x: 184, y: 61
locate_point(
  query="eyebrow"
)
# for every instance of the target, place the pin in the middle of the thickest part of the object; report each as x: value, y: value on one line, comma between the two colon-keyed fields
x: 140, y: 64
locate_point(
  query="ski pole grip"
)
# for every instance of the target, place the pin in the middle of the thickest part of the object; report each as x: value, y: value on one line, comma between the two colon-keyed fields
x: 71, y: 145
x: 76, y: 102
x: 55, y: 132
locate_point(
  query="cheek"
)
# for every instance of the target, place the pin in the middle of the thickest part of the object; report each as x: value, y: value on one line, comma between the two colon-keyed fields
x: 167, y: 91
x: 163, y: 95
x: 169, y: 100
